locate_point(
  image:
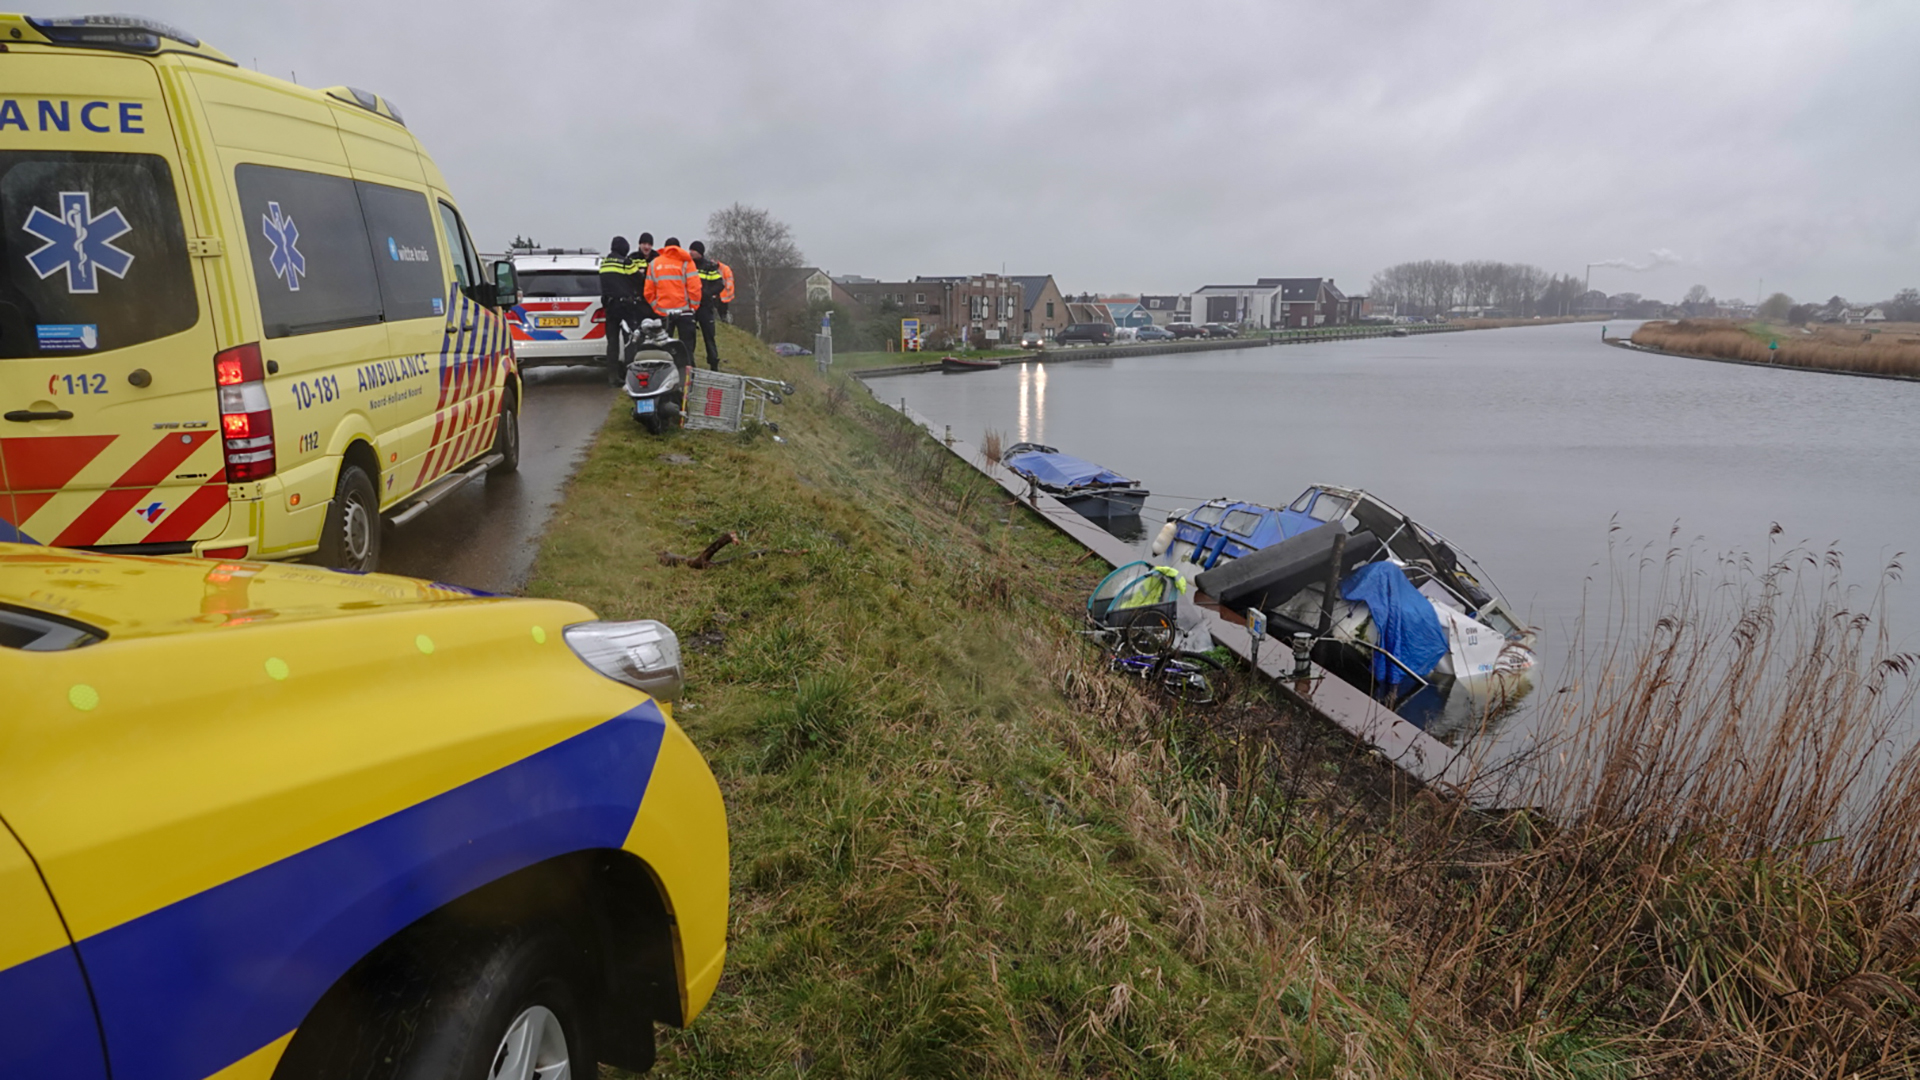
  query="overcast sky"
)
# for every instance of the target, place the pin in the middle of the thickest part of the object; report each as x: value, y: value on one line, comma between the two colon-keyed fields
x: 1159, y: 147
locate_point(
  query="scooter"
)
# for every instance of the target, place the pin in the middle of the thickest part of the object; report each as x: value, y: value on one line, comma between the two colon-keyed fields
x: 656, y: 381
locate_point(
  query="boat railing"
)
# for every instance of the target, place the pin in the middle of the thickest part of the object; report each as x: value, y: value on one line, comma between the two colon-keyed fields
x: 1397, y: 662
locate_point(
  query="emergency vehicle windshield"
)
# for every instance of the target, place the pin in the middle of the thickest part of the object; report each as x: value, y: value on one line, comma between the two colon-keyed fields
x: 95, y: 253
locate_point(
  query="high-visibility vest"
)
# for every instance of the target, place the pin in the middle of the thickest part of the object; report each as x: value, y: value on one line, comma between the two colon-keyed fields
x: 726, y: 288
x: 710, y: 286
x: 615, y: 264
x: 673, y: 281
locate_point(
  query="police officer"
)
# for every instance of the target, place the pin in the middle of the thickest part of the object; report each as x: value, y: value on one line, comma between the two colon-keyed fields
x: 620, y: 300
x: 711, y: 287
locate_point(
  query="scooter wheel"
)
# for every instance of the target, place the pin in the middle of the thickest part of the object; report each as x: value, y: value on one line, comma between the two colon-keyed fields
x: 650, y: 422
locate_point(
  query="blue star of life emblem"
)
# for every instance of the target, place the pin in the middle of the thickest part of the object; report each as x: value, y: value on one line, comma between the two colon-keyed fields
x: 284, y: 235
x: 79, y: 242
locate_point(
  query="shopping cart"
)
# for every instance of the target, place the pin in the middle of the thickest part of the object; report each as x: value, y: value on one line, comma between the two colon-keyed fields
x: 723, y: 401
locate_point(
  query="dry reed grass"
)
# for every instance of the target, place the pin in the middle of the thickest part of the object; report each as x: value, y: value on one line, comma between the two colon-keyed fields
x: 1725, y: 340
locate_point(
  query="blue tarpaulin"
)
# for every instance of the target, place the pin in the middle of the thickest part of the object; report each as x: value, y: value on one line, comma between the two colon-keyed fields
x: 1409, y: 629
x: 1063, y: 471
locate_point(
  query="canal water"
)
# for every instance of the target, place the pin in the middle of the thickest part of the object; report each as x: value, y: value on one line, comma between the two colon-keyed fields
x: 1534, y: 449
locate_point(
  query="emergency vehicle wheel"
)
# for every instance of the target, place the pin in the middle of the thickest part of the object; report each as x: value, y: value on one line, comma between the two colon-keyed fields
x: 350, y: 539
x: 506, y: 438
x: 509, y: 1011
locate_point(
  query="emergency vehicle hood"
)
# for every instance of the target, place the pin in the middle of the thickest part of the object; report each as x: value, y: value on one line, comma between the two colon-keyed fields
x: 129, y: 596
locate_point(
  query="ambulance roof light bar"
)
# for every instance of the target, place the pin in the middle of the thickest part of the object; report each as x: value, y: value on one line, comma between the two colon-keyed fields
x: 130, y: 32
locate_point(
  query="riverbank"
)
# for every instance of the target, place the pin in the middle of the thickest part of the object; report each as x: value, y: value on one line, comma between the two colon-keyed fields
x: 961, y: 847
x: 1061, y: 354
x: 1869, y: 352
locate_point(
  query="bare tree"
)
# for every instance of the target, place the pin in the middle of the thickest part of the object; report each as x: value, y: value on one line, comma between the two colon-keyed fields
x: 755, y: 244
x: 1776, y: 306
x: 1698, y: 295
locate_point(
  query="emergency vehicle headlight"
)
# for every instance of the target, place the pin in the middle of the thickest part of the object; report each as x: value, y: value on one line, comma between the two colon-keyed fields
x: 644, y: 654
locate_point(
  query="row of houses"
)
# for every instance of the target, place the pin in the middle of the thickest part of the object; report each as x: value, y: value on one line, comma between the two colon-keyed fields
x: 1002, y: 307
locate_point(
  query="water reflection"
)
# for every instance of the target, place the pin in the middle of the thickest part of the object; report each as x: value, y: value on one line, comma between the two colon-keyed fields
x: 1033, y: 403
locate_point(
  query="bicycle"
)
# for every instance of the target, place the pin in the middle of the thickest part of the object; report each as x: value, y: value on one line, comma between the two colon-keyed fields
x: 1189, y: 678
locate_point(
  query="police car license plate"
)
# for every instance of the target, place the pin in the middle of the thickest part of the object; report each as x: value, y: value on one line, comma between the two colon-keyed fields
x: 559, y: 321
x: 642, y: 406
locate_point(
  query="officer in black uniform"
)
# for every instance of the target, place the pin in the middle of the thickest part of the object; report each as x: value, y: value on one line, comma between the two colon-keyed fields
x: 620, y: 300
x: 710, y: 286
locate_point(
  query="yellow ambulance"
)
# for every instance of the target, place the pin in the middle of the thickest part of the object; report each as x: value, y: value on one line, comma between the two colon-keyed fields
x: 239, y: 318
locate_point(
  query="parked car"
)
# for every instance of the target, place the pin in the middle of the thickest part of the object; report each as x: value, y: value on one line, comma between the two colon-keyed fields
x: 1219, y: 330
x: 1033, y: 339
x: 1154, y: 333
x: 411, y: 826
x: 1092, y: 333
x: 788, y: 348
x: 558, y: 319
x: 1185, y: 330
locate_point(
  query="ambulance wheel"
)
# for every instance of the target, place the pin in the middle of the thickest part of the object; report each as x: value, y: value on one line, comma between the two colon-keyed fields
x: 506, y: 438
x: 350, y: 539
x: 510, y: 1011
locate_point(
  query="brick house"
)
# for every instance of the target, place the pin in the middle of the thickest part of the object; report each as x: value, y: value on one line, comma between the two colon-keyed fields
x: 986, y: 306
x: 1043, y: 307
x: 1306, y: 302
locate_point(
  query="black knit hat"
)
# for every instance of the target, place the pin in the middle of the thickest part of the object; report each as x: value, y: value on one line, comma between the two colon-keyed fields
x: 617, y: 246
x: 697, y: 247
x: 646, y: 239
x: 673, y: 241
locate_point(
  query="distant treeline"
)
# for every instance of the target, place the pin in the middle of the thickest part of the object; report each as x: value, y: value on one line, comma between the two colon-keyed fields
x: 1434, y: 286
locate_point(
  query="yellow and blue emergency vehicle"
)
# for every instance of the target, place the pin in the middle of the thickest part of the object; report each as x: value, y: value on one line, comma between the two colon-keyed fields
x: 239, y: 317
x: 268, y: 819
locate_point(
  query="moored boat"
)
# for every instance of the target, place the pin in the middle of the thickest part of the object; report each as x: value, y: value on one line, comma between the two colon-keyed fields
x: 1093, y: 491
x: 957, y: 364
x: 1408, y: 610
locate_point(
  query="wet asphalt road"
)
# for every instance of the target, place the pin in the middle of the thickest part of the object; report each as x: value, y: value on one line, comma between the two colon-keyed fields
x: 485, y: 535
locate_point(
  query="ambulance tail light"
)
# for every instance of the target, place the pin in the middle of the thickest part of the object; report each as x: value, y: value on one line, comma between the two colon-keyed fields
x: 246, y: 419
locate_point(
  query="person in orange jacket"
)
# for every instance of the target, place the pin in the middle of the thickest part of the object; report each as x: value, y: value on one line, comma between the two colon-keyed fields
x: 673, y: 291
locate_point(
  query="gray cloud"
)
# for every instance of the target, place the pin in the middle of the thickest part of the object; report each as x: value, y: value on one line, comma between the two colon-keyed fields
x: 1158, y: 147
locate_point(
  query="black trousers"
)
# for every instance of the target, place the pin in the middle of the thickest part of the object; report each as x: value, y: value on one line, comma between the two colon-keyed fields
x: 705, y: 318
x: 621, y: 313
x: 682, y: 326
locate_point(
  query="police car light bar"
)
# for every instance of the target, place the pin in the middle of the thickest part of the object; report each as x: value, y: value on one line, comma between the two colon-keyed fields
x: 129, y: 32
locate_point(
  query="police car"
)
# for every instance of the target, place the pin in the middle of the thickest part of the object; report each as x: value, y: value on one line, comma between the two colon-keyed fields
x: 272, y: 820
x: 558, y: 319
x: 239, y: 318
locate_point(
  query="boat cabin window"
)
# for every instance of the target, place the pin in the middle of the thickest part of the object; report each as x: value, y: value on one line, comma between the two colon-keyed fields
x: 1242, y: 522
x: 1306, y: 499
x: 1329, y: 508
x: 1208, y: 514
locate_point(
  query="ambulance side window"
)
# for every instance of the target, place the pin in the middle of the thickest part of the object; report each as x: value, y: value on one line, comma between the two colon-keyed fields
x: 400, y: 231
x: 93, y: 254
x: 312, y: 267
x: 467, y: 272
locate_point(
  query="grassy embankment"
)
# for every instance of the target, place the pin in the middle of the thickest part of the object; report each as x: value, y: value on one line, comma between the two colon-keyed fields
x: 961, y: 848
x: 1886, y: 350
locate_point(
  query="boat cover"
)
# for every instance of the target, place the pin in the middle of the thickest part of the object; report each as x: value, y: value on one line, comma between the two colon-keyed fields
x: 1408, y: 627
x: 1063, y: 471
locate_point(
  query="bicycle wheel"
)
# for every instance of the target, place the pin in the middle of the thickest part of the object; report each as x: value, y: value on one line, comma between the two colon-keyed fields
x: 1147, y: 632
x: 1195, y: 680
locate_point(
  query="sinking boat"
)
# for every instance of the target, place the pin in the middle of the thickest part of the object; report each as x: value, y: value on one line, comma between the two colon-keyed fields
x: 1388, y: 603
x: 1093, y: 491
x: 955, y: 364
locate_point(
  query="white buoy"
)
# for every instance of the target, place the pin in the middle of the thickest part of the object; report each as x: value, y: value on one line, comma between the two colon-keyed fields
x: 1164, y: 537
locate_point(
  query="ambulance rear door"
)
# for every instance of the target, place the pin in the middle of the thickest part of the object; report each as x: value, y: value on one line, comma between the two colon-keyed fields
x: 111, y: 422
